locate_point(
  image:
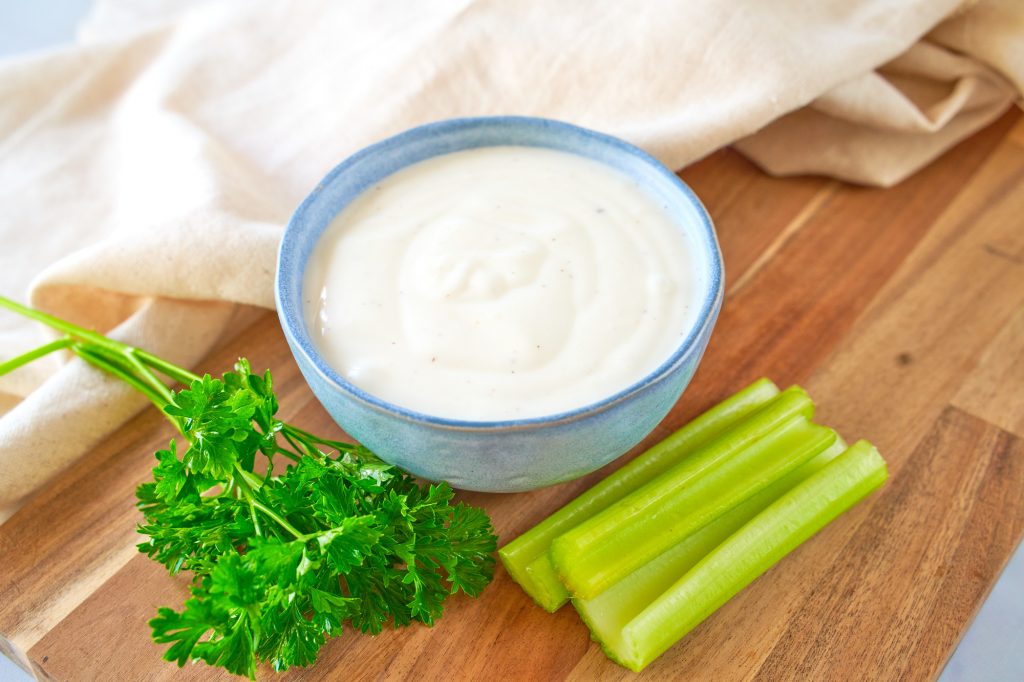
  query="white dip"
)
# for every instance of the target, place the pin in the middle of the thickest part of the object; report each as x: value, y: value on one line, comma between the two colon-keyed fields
x: 501, y: 283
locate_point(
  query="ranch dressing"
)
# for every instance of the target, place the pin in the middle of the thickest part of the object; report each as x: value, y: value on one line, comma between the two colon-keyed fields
x: 501, y: 283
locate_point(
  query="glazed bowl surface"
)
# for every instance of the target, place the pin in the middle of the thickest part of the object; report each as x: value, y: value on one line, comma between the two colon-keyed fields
x: 517, y: 454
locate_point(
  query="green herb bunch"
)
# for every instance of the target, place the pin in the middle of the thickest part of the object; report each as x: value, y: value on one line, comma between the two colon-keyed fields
x: 326, y: 535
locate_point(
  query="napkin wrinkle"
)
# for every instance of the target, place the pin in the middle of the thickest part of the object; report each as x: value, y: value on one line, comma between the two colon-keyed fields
x: 143, y: 265
x: 911, y: 95
x: 989, y: 32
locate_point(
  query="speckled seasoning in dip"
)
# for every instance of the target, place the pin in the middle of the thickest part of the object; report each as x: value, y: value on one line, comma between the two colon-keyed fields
x: 501, y: 283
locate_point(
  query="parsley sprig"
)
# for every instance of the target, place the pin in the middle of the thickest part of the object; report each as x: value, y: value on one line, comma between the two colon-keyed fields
x: 288, y: 536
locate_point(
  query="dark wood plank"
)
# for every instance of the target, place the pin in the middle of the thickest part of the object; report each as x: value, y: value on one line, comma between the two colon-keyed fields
x: 750, y: 209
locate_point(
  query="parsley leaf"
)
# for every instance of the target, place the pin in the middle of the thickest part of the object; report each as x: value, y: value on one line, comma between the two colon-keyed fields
x: 282, y: 561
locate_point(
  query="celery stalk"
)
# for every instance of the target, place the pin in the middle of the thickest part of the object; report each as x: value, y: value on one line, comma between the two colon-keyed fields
x: 608, y: 613
x: 526, y: 558
x: 543, y: 585
x: 750, y: 551
x: 620, y: 539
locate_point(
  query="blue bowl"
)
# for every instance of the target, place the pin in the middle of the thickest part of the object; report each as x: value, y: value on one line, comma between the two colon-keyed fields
x: 501, y: 456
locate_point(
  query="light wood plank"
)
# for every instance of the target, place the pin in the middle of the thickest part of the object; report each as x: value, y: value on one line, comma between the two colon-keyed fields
x: 921, y: 563
x: 994, y: 391
x: 930, y: 326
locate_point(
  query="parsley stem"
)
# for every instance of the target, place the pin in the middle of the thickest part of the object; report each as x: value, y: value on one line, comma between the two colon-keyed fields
x: 254, y: 482
x: 137, y: 355
x: 280, y: 520
x: 61, y: 325
x: 255, y: 519
x: 291, y: 441
x: 147, y: 374
x: 92, y: 346
x: 120, y: 366
x: 103, y: 362
x: 34, y: 354
x: 179, y: 374
x: 250, y: 496
x: 293, y: 456
x: 309, y: 438
x: 123, y: 361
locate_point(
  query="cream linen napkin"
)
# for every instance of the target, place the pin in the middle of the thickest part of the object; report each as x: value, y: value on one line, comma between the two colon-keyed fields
x: 146, y: 173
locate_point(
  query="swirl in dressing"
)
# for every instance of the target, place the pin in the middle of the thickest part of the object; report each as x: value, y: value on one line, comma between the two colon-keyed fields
x: 501, y: 283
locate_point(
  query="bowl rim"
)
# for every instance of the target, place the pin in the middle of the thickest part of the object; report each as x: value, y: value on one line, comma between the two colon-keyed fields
x: 290, y: 308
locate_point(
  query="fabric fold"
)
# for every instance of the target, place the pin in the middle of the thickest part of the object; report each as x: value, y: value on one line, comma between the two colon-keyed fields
x: 147, y: 173
x: 876, y: 128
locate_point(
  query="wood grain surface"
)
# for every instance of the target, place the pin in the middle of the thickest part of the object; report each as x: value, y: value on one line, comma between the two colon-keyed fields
x: 901, y: 311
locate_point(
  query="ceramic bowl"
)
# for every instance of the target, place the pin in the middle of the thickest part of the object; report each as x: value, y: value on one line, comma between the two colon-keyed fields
x: 511, y: 455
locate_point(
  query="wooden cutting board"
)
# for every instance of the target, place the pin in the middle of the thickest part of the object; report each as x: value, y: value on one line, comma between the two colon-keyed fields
x: 900, y: 310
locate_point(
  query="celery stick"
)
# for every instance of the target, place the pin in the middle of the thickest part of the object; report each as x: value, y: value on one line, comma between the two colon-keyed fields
x: 544, y: 585
x: 751, y: 551
x: 608, y: 613
x: 636, y: 529
x: 526, y: 557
